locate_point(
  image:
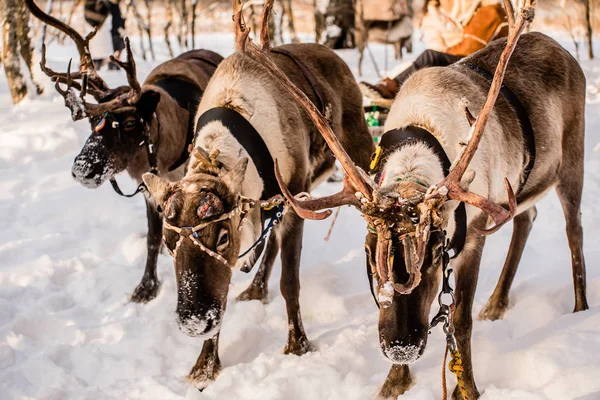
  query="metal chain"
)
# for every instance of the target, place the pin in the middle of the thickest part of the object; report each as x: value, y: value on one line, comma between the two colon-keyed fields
x: 445, y: 316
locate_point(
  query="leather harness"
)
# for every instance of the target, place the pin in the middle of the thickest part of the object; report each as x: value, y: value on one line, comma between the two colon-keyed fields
x: 307, y: 74
x: 253, y: 143
x: 249, y: 138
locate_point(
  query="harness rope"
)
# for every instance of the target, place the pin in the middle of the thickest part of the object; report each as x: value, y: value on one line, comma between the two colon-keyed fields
x: 243, y: 207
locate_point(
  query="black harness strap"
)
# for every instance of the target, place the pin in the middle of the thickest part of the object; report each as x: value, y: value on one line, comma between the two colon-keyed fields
x: 521, y: 113
x: 250, y: 140
x: 188, y: 95
x: 397, y: 138
x: 307, y: 74
x: 255, y: 146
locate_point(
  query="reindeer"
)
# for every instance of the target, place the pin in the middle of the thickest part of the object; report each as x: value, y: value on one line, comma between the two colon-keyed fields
x: 394, y: 26
x: 246, y: 119
x: 137, y: 128
x: 415, y: 208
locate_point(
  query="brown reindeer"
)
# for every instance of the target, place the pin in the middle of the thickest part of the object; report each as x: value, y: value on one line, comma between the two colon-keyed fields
x: 245, y: 120
x: 386, y: 22
x: 137, y: 128
x: 415, y: 209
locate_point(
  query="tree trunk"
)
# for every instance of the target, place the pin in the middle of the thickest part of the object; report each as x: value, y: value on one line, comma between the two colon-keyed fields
x: 11, y: 54
x: 193, y: 24
x: 588, y: 27
x: 287, y: 10
x: 319, y: 20
x: 148, y: 28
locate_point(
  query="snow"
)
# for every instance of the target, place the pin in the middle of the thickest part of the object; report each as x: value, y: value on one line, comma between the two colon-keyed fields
x: 70, y: 257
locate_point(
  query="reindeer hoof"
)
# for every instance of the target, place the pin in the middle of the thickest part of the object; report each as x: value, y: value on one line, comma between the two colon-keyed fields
x: 493, y: 310
x: 254, y: 292
x: 200, y: 378
x: 298, y: 346
x: 147, y: 290
x: 397, y: 383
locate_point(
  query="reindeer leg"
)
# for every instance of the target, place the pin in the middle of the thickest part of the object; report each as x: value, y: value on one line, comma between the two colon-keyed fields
x: 259, y: 288
x: 397, y: 382
x: 297, y: 342
x: 208, y: 365
x: 466, y: 283
x: 498, y: 302
x: 398, y: 50
x: 569, y: 191
x: 148, y: 288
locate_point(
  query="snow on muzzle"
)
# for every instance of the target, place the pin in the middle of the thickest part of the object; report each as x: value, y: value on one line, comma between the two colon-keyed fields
x: 94, y: 164
x: 201, y: 302
x: 206, y: 324
x: 400, y: 352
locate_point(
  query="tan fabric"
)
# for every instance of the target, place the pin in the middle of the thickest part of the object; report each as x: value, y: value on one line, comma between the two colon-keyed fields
x: 384, y: 10
x: 448, y: 23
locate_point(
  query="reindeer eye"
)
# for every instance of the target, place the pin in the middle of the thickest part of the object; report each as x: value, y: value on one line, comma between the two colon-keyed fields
x: 223, y: 241
x: 129, y: 124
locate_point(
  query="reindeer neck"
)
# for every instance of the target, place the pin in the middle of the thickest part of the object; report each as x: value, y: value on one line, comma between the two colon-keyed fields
x: 215, y: 136
x: 168, y: 130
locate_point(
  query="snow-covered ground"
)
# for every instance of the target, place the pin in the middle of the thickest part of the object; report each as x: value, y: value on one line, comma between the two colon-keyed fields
x: 70, y: 257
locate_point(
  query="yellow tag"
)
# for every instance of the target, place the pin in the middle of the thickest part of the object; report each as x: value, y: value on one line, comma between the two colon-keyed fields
x: 375, y: 158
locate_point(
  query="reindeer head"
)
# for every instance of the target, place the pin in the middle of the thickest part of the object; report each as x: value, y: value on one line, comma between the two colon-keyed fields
x: 120, y: 118
x: 203, y: 216
x: 118, y: 135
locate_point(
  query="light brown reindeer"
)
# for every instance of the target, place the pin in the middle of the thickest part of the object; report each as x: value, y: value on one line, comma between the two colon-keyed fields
x: 213, y: 215
x: 138, y: 128
x: 533, y: 141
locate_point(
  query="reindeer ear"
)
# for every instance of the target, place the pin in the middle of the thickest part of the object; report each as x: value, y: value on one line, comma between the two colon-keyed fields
x: 158, y: 187
x: 147, y: 103
x: 234, y: 178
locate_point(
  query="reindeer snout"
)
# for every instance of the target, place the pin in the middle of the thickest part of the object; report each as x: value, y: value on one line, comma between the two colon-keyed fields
x: 196, y: 324
x: 402, y: 351
x: 88, y: 173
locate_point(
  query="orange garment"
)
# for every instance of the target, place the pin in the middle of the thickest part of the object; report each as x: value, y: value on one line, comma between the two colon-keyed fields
x: 488, y: 23
x: 461, y: 27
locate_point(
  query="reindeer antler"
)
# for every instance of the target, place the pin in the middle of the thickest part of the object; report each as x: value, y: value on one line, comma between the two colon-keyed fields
x: 262, y: 56
x: 85, y: 59
x: 90, y: 80
x: 450, y: 188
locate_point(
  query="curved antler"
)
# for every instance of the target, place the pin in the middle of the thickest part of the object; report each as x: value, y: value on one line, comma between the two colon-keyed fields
x: 130, y: 70
x: 85, y: 58
x: 305, y: 208
x: 450, y: 187
x: 262, y: 56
